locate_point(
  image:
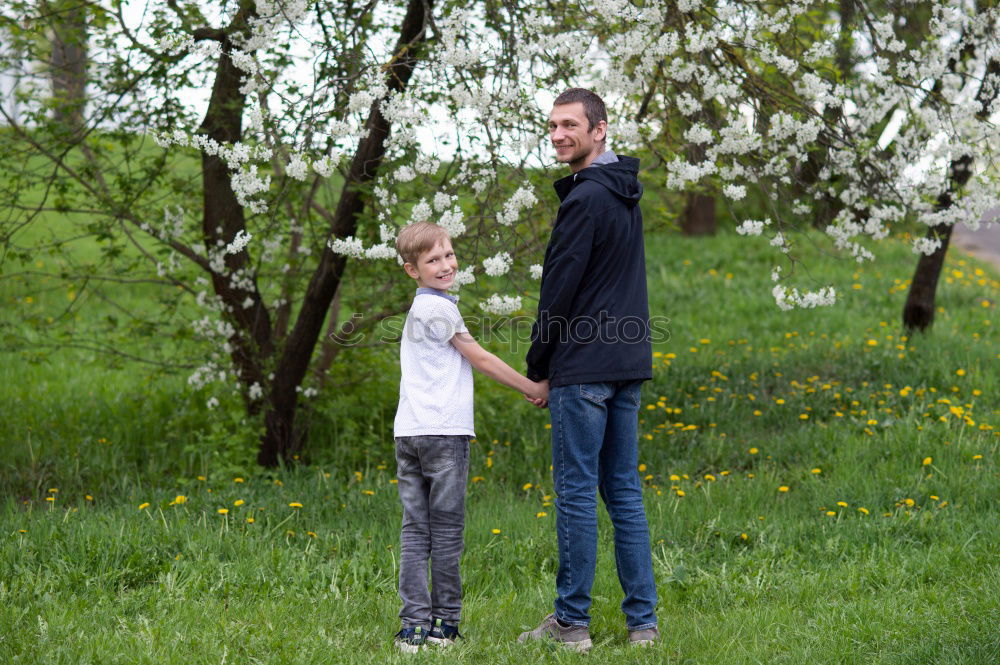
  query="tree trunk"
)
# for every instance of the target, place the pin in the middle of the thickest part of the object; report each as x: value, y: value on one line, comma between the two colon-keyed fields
x: 223, y: 218
x: 918, y: 312
x: 69, y: 63
x: 698, y: 218
x: 280, y: 440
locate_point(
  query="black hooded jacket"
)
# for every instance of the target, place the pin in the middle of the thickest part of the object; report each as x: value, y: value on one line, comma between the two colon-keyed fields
x: 593, y: 314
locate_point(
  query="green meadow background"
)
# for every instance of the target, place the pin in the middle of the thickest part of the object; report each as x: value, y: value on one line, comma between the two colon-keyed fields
x: 820, y: 487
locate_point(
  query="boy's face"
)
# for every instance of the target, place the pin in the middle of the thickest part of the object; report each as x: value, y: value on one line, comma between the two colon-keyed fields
x: 435, y: 268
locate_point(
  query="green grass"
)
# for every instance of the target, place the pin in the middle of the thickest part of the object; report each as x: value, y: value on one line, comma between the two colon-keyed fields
x: 746, y: 573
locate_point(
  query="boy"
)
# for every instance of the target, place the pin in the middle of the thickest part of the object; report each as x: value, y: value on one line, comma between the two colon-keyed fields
x: 432, y: 431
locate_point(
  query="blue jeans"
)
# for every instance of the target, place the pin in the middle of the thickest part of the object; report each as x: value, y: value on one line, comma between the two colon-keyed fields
x: 432, y: 471
x: 595, y: 447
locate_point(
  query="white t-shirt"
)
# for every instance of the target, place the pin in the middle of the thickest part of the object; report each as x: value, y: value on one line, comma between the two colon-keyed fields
x: 435, y: 389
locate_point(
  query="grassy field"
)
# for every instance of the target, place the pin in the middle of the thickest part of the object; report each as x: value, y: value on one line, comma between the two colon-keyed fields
x: 820, y: 488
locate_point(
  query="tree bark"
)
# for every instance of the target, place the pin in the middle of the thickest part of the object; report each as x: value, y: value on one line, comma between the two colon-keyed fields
x: 280, y: 440
x: 223, y: 218
x: 69, y: 63
x: 698, y: 218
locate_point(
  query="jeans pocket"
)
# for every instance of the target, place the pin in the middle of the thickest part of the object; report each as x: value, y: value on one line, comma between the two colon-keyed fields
x: 598, y: 393
x: 440, y: 453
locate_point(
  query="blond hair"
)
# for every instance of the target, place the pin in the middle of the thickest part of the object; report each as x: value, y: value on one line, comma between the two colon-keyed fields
x: 418, y: 238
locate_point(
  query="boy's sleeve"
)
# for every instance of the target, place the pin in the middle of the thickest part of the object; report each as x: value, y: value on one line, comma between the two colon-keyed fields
x: 443, y: 321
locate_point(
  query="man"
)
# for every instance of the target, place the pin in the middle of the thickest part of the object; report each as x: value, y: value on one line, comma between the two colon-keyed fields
x: 591, y: 342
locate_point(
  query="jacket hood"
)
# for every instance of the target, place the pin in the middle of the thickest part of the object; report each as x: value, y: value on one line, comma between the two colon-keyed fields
x: 620, y: 178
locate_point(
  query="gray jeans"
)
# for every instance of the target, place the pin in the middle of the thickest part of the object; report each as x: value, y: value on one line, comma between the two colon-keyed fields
x: 432, y: 472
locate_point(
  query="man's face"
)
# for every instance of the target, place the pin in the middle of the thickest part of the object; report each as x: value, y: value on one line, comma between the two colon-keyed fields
x: 575, y: 144
x: 436, y: 267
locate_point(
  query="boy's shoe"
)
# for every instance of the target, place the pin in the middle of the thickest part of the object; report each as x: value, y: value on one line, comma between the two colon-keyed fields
x: 443, y: 634
x: 410, y: 640
x: 572, y: 637
x: 645, y: 637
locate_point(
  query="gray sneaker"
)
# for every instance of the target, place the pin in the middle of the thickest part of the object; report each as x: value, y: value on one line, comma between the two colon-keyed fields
x: 572, y: 637
x: 644, y: 638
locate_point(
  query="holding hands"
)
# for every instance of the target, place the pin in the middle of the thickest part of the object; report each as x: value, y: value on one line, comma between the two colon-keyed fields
x: 540, y: 395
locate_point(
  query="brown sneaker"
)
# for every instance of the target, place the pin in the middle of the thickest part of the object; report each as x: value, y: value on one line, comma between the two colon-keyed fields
x: 573, y: 637
x: 644, y: 638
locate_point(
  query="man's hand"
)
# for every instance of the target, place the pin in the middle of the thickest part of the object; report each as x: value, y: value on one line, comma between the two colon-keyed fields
x: 540, y: 396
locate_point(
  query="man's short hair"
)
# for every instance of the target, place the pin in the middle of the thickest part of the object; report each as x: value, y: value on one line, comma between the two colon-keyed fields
x: 593, y: 105
x: 418, y: 238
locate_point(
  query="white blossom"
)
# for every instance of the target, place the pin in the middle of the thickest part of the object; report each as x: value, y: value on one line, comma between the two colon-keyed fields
x: 497, y: 265
x: 464, y: 276
x: 297, y: 168
x: 239, y: 242
x: 501, y: 305
x: 536, y: 271
x: 752, y: 227
x: 926, y: 245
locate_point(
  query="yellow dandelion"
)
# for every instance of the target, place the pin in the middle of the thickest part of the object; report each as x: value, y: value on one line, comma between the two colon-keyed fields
x: 927, y: 461
x: 960, y: 372
x: 754, y: 451
x: 238, y: 480
x: 311, y: 534
x: 756, y: 412
x: 249, y: 520
x: 862, y: 510
x: 489, y: 462
x: 744, y: 536
x: 223, y: 511
x: 88, y: 497
x: 977, y: 457
x: 783, y: 488
x: 144, y: 505
x: 709, y: 477
x: 541, y: 514
x: 53, y: 490
x: 680, y: 492
x: 909, y: 502
x: 817, y: 471
x: 52, y: 498
x: 368, y: 492
x: 526, y: 486
x: 201, y: 477
x: 831, y: 513
x: 238, y: 502
x: 476, y: 479
x: 495, y: 531
x: 803, y: 416
x: 295, y: 504
x: 642, y: 468
x: 842, y: 504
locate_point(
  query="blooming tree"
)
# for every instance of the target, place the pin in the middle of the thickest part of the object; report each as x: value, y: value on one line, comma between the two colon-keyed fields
x: 294, y: 139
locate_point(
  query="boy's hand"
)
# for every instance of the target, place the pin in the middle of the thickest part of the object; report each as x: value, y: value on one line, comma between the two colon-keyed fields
x: 540, y: 395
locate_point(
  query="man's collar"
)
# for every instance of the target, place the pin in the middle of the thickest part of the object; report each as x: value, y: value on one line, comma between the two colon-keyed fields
x: 606, y: 157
